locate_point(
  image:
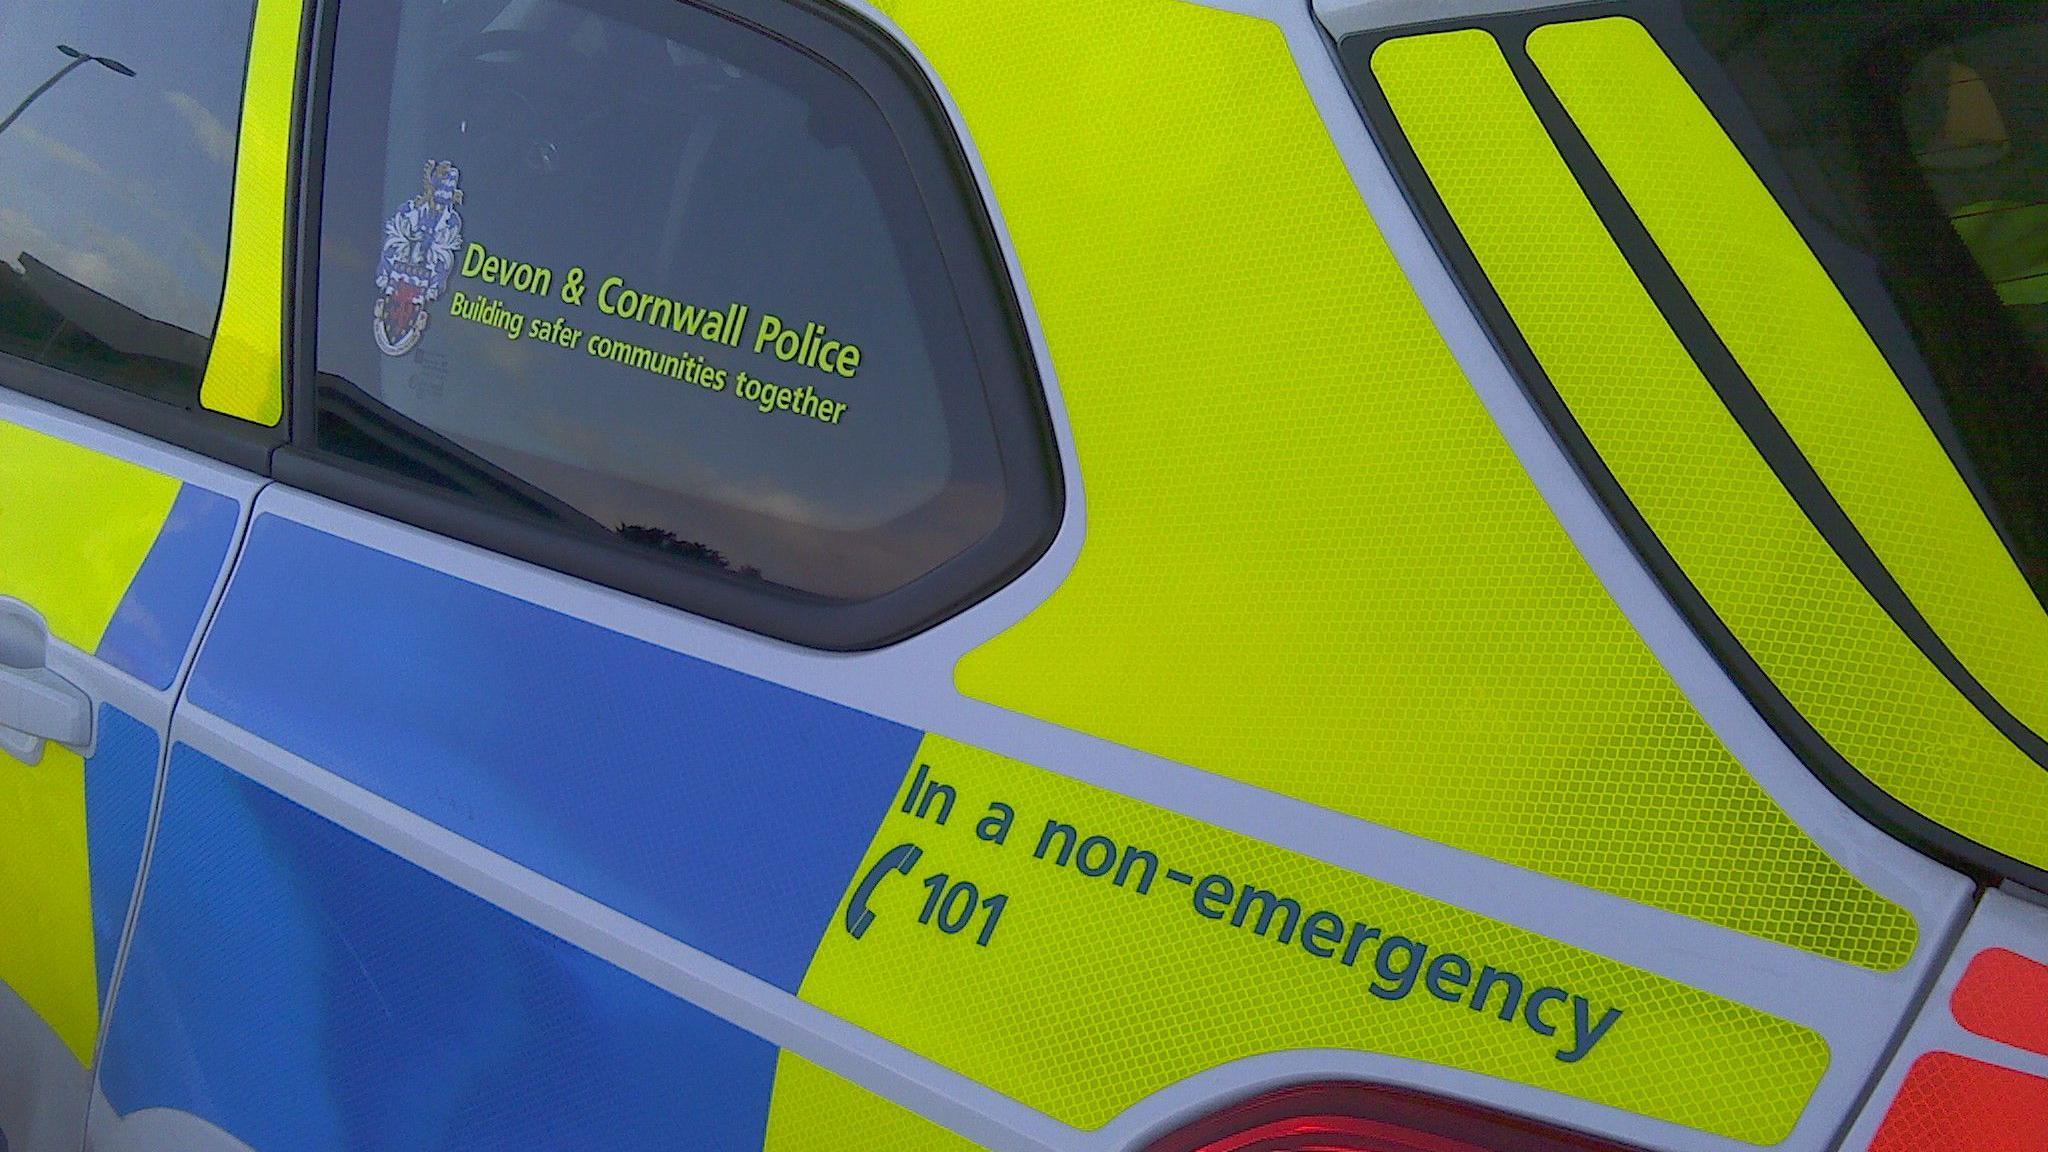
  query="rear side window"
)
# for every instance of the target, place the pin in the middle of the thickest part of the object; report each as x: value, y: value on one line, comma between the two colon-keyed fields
x: 1975, y: 115
x: 1918, y: 133
x: 661, y: 287
x: 118, y: 126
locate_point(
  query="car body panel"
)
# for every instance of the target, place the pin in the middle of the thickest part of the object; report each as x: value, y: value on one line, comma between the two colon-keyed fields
x: 456, y: 851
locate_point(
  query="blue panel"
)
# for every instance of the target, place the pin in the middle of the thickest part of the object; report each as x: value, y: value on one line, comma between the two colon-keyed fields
x: 723, y: 810
x: 119, y: 781
x: 153, y: 626
x: 307, y: 991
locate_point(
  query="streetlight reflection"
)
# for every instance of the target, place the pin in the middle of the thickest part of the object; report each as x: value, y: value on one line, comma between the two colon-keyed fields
x: 78, y: 59
x: 106, y: 61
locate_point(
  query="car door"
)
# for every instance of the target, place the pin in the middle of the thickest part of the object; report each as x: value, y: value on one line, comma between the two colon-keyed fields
x: 670, y: 308
x: 116, y: 170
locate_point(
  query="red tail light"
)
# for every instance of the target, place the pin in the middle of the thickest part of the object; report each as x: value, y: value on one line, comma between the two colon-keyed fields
x: 1367, y: 1118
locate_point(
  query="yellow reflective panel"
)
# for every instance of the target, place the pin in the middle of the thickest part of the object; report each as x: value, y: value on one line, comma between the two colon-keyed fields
x: 813, y: 1110
x: 46, y: 948
x: 244, y: 372
x: 1797, y: 339
x: 1312, y: 563
x: 75, y: 526
x: 1685, y: 463
x: 1078, y: 950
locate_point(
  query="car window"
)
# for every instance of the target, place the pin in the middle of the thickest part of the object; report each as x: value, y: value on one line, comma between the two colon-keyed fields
x: 118, y: 127
x: 647, y: 275
x: 1976, y: 116
x: 1917, y: 134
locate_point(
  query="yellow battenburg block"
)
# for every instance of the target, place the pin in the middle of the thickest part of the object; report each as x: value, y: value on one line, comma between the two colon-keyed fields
x: 245, y: 371
x: 1801, y: 345
x: 1078, y: 950
x: 1687, y: 465
x: 813, y: 1110
x: 1312, y: 563
x: 46, y: 947
x: 75, y: 527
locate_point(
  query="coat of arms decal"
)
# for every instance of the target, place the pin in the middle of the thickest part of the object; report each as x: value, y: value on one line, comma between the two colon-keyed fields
x: 420, y: 243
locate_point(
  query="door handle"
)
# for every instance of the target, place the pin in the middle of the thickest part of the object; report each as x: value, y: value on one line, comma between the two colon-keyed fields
x: 37, y: 706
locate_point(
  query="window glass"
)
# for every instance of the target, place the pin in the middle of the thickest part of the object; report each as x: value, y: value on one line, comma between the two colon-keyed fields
x: 117, y: 162
x: 1917, y: 133
x: 650, y: 276
x: 1976, y: 115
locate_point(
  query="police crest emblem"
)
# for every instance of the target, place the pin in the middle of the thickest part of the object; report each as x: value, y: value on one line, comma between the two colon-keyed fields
x: 420, y: 243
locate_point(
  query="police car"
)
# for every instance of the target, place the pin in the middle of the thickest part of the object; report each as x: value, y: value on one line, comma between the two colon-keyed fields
x: 1034, y: 575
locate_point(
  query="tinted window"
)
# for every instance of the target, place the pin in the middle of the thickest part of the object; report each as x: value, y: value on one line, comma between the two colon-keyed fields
x: 1917, y: 133
x: 654, y: 279
x: 117, y: 163
x: 1975, y: 112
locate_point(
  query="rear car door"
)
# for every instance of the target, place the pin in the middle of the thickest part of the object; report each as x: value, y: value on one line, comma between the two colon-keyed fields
x: 117, y: 160
x: 667, y: 307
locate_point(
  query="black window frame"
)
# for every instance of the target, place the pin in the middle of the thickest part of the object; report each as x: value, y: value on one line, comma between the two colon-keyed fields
x: 229, y: 439
x: 995, y: 328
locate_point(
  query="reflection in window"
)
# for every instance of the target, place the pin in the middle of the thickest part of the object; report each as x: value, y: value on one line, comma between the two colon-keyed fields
x: 655, y: 273
x: 116, y: 178
x: 1995, y: 189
